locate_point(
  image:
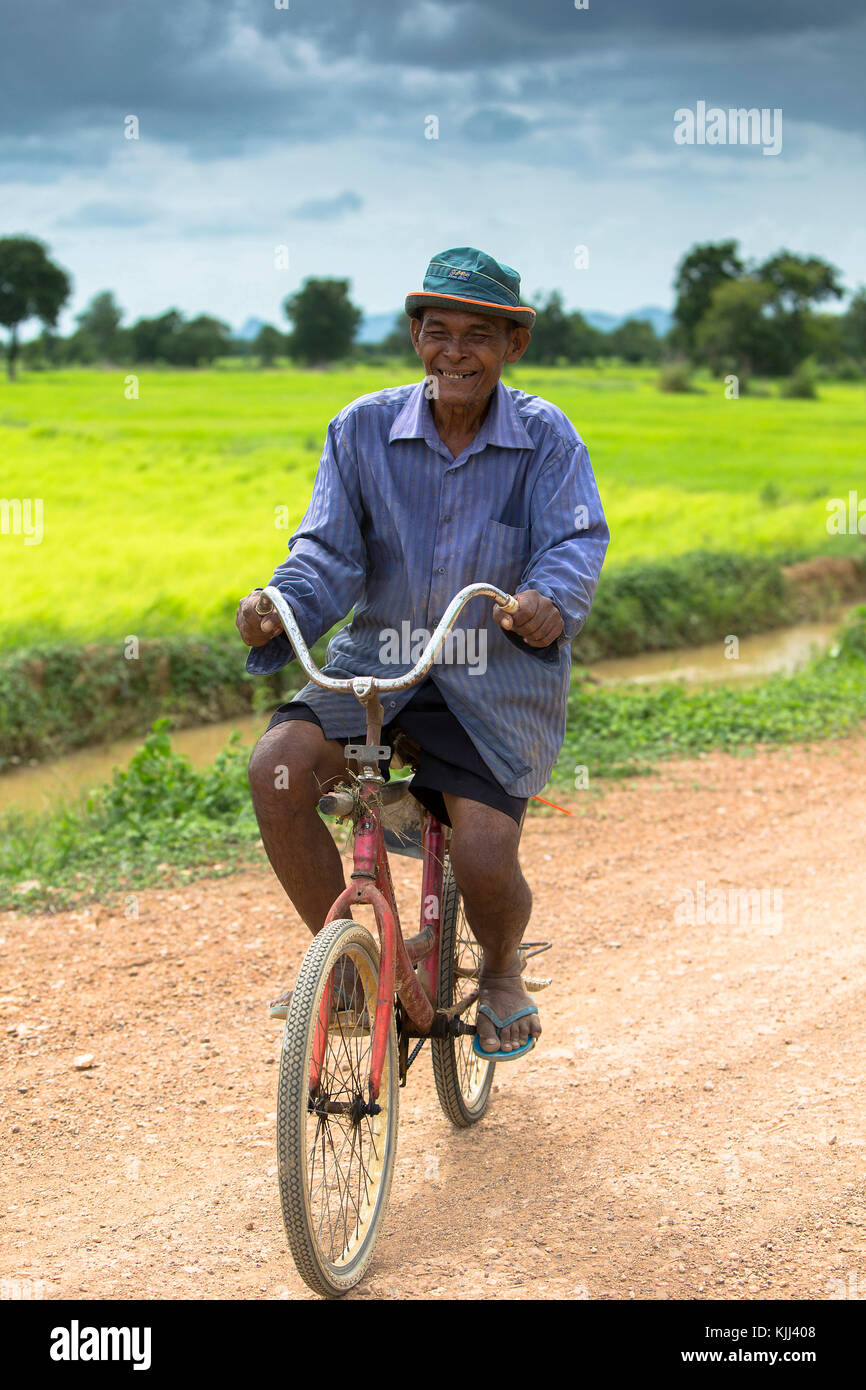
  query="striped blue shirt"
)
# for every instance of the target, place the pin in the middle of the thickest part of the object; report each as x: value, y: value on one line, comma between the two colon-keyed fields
x: 396, y: 526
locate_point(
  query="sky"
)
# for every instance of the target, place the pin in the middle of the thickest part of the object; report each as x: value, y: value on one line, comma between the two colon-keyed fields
x: 308, y: 128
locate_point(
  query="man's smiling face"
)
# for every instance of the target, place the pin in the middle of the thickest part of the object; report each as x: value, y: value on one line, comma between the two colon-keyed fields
x: 464, y: 353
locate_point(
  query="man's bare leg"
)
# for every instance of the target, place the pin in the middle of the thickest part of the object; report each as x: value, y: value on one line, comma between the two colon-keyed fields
x: 292, y: 765
x: 497, y: 901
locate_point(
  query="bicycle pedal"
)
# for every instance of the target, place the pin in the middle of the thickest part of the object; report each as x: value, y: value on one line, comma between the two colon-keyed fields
x: 533, y: 948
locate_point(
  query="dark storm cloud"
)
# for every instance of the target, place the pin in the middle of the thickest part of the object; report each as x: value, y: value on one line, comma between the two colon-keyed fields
x: 476, y: 33
x: 220, y: 76
x: 329, y: 209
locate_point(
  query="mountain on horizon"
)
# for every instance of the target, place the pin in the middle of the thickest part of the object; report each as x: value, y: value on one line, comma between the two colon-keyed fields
x: 376, y: 327
x: 250, y: 330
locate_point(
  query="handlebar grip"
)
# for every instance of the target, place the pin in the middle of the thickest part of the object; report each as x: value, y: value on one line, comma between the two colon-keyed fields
x: 510, y: 605
x: 263, y: 605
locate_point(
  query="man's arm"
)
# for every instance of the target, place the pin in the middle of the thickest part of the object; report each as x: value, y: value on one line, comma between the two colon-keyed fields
x: 569, y: 540
x: 324, y: 573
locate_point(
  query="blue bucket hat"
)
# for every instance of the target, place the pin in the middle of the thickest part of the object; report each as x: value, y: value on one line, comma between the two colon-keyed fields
x: 465, y: 278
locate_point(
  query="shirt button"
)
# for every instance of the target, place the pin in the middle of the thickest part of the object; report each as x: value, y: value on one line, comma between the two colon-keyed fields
x: 446, y: 518
x: 441, y: 569
x: 391, y: 703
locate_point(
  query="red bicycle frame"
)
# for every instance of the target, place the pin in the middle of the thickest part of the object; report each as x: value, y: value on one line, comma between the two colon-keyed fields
x: 371, y: 884
x: 371, y: 875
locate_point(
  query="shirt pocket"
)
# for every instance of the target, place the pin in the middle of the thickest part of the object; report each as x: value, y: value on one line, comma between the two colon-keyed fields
x: 503, y: 554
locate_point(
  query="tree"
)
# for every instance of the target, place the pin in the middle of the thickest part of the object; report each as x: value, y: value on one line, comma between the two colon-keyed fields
x: 101, y: 321
x: 398, y: 343
x: 587, y: 341
x: 551, y: 333
x: 558, y: 336
x: 268, y: 343
x: 699, y: 273
x: 854, y: 326
x: 324, y: 320
x: 798, y: 282
x: 169, y: 338
x: 152, y: 338
x: 31, y: 286
x: 635, y: 341
x: 824, y: 338
x: 736, y: 333
x: 79, y: 348
x: 200, y: 342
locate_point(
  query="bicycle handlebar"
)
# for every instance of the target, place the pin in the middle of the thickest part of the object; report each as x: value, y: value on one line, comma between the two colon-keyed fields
x: 363, y: 685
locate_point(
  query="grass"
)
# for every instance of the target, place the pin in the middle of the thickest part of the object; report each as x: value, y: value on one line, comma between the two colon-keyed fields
x: 160, y: 512
x: 162, y: 821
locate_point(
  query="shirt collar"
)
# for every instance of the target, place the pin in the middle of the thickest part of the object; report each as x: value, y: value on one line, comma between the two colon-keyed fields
x: 502, y: 427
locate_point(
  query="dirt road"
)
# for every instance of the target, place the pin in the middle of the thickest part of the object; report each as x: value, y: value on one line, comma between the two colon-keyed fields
x: 690, y: 1126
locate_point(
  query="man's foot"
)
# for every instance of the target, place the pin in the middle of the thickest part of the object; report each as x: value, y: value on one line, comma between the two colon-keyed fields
x: 279, y: 1007
x: 503, y: 993
x: 349, y: 995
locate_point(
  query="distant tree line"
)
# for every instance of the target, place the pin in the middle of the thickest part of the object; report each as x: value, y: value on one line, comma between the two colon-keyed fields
x: 750, y: 319
x: 763, y: 318
x: 562, y: 337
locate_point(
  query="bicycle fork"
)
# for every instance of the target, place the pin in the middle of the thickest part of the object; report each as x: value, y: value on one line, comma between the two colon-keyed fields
x: 371, y: 884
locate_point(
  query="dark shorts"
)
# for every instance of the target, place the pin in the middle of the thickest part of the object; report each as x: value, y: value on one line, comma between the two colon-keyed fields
x: 449, y: 761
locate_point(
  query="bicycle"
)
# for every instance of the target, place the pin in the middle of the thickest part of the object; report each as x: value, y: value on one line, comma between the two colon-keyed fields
x: 344, y: 1058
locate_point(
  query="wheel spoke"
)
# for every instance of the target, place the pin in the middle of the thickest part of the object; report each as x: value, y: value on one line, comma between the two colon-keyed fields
x: 346, y: 1152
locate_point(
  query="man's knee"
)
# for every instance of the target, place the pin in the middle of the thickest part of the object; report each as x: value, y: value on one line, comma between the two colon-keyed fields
x: 282, y: 767
x: 484, y: 853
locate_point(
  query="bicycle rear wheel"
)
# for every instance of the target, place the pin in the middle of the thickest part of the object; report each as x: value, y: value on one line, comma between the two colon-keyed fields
x: 335, y: 1158
x: 463, y: 1079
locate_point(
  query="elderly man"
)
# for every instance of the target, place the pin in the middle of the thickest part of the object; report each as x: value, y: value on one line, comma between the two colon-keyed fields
x: 421, y: 490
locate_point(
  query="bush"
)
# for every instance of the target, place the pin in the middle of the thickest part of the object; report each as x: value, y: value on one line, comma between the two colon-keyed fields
x: 156, y: 817
x: 801, y: 385
x: 852, y: 639
x: 676, y: 376
x: 694, y: 598
x: 770, y: 495
x: 846, y: 369
x: 54, y: 698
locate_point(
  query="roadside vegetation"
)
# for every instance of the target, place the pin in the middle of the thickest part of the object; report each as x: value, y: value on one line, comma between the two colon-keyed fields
x: 162, y: 822
x: 65, y: 695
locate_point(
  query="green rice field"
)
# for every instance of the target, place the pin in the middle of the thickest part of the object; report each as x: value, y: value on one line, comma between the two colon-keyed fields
x: 159, y: 512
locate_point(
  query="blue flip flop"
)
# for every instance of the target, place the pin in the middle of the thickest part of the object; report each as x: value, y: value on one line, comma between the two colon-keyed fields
x: 499, y: 1024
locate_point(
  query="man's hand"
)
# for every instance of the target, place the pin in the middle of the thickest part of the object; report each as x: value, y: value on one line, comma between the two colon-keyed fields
x: 256, y: 629
x: 537, y: 620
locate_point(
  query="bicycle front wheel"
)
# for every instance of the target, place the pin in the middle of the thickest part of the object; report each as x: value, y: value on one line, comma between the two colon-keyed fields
x: 463, y: 1079
x: 335, y: 1157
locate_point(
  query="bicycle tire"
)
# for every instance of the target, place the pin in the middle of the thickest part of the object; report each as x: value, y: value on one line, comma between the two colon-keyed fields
x: 333, y: 1217
x: 463, y: 1080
